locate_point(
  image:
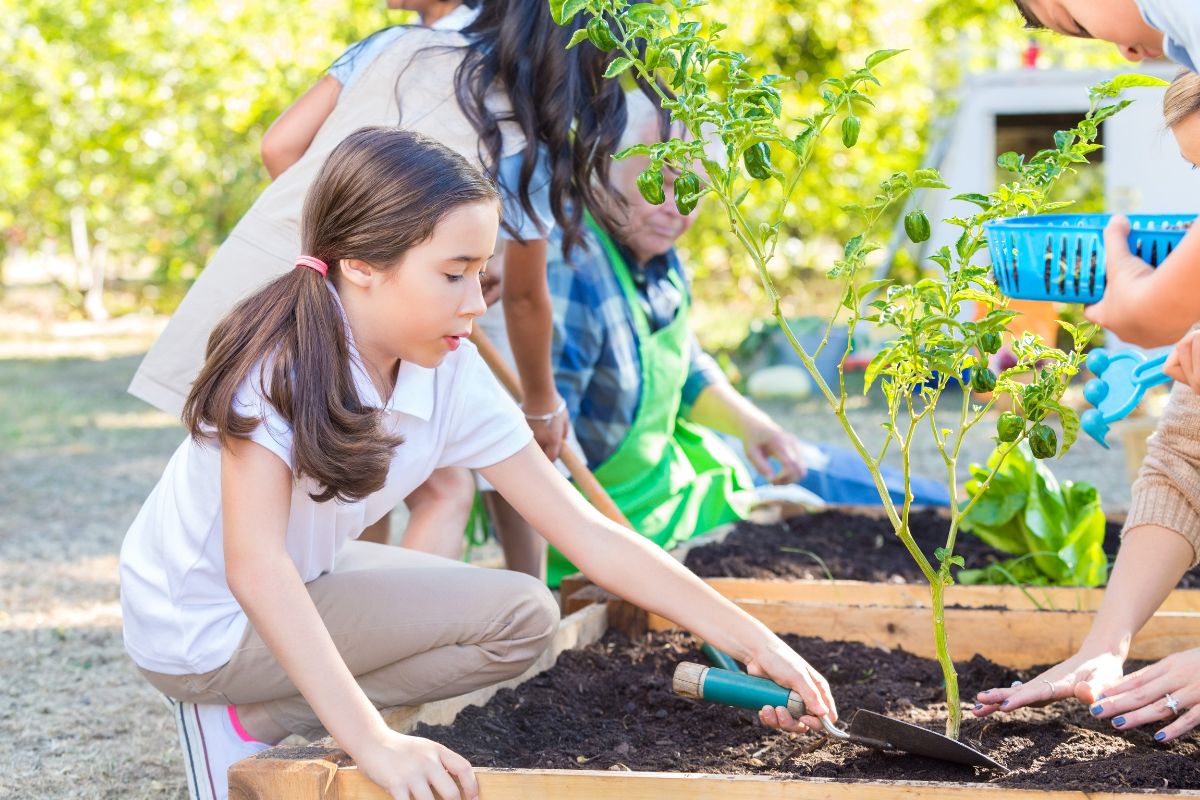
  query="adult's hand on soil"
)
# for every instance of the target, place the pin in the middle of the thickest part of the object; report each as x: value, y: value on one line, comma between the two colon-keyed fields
x: 412, y: 767
x: 769, y: 441
x: 1142, y: 697
x: 1084, y: 676
x: 784, y: 665
x: 1122, y: 310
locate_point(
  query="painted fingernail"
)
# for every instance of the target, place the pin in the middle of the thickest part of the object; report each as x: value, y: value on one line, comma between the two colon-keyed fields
x: 1118, y: 722
x: 1097, y: 710
x: 1004, y: 704
x: 1158, y: 737
x: 978, y: 706
x: 1016, y: 683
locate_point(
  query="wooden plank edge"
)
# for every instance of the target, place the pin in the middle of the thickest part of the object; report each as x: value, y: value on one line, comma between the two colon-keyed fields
x: 1014, y: 638
x: 548, y: 784
x: 916, y: 595
x: 309, y: 771
x: 578, y: 592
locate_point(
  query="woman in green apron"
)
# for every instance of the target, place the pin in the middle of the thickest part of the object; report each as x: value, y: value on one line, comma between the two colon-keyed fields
x: 672, y: 479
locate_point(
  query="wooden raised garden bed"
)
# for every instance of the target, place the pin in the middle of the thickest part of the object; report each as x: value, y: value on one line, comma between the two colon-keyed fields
x: 618, y: 691
x: 778, y: 555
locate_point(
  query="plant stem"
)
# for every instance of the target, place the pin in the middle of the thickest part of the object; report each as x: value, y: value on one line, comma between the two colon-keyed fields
x: 937, y: 591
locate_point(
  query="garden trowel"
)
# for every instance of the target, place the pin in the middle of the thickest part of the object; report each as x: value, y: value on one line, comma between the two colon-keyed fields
x: 866, y: 727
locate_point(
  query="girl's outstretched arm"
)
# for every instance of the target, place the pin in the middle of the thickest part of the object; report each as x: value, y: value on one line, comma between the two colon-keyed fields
x: 639, y: 571
x: 256, y: 488
x: 292, y: 132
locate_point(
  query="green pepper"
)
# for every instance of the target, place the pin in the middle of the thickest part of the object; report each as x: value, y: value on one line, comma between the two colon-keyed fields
x: 989, y: 342
x: 1009, y: 427
x: 687, y: 192
x: 850, y: 127
x: 758, y: 161
x: 600, y: 34
x: 650, y: 184
x: 1043, y: 441
x: 916, y: 225
x: 983, y: 380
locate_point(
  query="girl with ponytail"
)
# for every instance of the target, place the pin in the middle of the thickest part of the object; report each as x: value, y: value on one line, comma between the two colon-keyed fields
x: 324, y: 398
x: 494, y: 81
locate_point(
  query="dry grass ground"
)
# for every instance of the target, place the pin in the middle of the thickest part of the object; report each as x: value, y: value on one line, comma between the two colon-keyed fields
x: 77, y: 457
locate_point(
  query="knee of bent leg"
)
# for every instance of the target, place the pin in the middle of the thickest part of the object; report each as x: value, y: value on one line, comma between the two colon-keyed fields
x: 448, y: 485
x: 535, y: 620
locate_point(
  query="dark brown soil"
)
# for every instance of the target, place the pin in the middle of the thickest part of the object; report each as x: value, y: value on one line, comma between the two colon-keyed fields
x: 853, y: 546
x: 610, y: 706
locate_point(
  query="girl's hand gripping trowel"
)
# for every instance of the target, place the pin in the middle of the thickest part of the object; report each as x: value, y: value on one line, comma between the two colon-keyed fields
x: 866, y: 727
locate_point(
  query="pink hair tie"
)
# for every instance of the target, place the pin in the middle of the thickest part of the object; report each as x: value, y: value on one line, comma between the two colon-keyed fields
x: 313, y: 262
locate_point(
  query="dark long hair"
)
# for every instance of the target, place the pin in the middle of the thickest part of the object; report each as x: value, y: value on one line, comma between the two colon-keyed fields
x: 381, y: 192
x: 560, y: 99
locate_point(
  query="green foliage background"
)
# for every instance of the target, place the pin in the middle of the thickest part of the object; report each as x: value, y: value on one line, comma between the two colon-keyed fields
x: 148, y: 115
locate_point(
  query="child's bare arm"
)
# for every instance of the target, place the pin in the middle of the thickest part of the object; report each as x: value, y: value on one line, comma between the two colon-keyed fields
x: 639, y: 571
x: 293, y: 131
x: 256, y: 497
x: 1145, y: 306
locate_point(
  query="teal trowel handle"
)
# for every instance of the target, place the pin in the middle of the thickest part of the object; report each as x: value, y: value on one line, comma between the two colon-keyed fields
x: 739, y: 689
x: 733, y: 688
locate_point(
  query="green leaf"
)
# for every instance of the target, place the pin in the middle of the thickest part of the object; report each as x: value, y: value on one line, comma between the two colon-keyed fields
x: 635, y: 150
x: 1135, y: 79
x: 879, y: 56
x: 880, y: 362
x: 981, y: 200
x: 1010, y: 161
x: 579, y: 36
x: 928, y: 179
x: 563, y: 11
x: 870, y: 286
x: 618, y: 65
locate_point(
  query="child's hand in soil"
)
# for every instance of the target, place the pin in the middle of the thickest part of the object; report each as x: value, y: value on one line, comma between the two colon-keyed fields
x: 409, y: 766
x: 1183, y: 364
x: 1143, y: 697
x: 1084, y: 676
x: 784, y: 665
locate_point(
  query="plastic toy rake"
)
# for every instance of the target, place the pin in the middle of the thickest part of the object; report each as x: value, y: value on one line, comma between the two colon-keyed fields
x: 1061, y: 256
x: 1120, y: 383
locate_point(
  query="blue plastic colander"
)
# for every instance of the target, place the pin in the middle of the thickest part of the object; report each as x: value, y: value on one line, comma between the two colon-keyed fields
x: 1061, y: 256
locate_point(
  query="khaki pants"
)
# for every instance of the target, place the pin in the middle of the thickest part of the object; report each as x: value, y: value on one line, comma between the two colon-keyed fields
x: 411, y: 627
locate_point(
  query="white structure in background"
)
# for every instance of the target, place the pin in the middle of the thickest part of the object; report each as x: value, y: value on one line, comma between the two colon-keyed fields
x: 1143, y: 171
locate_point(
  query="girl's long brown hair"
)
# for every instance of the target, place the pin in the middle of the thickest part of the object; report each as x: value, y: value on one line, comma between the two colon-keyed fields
x: 381, y: 192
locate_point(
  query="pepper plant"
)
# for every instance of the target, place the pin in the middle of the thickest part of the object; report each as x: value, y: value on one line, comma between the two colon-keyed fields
x: 738, y: 141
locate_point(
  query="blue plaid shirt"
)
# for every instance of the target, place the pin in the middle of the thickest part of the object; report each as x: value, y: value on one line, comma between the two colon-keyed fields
x: 597, y: 368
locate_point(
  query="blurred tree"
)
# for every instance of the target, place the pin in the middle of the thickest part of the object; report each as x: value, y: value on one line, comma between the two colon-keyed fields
x: 129, y: 131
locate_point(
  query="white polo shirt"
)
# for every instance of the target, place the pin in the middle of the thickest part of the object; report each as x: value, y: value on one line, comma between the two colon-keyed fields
x: 181, y: 618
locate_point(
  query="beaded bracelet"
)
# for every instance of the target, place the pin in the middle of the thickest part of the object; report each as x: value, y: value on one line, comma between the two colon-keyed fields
x: 562, y: 406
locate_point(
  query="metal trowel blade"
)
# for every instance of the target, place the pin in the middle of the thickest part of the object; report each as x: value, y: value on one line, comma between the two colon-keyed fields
x: 905, y: 736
